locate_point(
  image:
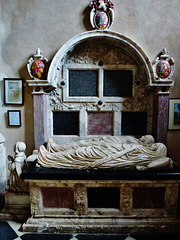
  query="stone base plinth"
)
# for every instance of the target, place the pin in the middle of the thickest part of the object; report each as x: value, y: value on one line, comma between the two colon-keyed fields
x: 103, y: 201
x: 102, y: 225
x: 17, y: 207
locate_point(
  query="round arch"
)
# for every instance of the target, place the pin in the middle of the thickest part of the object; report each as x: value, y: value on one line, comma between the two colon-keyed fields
x: 58, y: 60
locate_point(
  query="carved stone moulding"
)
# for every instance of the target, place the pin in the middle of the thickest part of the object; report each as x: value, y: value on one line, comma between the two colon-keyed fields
x: 65, y: 53
x: 38, y: 85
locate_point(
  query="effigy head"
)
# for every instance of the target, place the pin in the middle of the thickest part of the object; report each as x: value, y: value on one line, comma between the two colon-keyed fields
x: 147, y: 139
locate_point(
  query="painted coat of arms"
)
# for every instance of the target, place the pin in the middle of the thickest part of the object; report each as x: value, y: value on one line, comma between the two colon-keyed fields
x: 102, y: 14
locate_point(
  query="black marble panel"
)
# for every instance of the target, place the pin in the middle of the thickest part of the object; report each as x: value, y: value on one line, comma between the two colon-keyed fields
x: 46, y: 236
x: 134, y: 123
x: 83, y: 83
x: 101, y: 236
x: 65, y: 123
x: 102, y: 197
x: 118, y: 83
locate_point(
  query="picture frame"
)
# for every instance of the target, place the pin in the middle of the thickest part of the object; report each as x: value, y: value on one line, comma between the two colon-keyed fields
x: 13, y: 91
x: 14, y: 118
x: 174, y: 114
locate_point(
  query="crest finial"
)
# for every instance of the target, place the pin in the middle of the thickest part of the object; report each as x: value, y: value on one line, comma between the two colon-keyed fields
x: 102, y: 14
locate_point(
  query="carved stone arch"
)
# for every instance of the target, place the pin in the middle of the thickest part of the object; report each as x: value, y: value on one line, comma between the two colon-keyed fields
x: 55, y: 70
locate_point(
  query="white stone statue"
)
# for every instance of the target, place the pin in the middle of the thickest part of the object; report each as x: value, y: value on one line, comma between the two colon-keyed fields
x: 16, y: 166
x: 109, y: 152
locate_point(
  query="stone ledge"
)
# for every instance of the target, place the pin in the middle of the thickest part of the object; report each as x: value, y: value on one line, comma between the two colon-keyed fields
x: 33, y: 173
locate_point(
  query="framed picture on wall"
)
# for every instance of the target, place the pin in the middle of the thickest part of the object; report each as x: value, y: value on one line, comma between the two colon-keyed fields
x: 14, y: 118
x: 174, y: 114
x: 13, y: 91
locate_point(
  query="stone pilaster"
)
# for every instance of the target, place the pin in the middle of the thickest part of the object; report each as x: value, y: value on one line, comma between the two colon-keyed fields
x: 40, y: 119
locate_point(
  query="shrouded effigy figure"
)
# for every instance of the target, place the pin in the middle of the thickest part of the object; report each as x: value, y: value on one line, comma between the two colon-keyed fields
x: 109, y: 152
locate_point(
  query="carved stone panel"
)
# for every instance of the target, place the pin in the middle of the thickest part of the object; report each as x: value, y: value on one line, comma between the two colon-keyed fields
x: 80, y: 199
x: 35, y: 199
x: 126, y: 199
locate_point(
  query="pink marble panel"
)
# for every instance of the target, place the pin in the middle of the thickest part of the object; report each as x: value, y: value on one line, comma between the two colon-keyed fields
x: 54, y: 197
x: 100, y: 123
x: 160, y: 124
x: 148, y: 198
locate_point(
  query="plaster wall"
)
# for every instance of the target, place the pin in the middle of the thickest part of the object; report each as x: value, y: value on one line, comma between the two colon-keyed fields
x: 26, y: 25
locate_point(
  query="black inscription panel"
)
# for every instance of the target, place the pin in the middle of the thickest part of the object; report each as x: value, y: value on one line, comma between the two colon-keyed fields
x: 83, y: 83
x: 118, y: 83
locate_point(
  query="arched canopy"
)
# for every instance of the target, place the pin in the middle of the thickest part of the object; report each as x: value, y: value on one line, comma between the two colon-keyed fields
x: 64, y: 51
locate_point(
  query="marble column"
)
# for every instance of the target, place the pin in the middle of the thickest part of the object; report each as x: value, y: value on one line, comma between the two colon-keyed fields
x: 160, y: 118
x: 3, y: 175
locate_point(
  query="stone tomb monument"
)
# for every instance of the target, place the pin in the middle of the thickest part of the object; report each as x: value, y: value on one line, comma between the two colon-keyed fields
x: 93, y: 175
x: 81, y: 187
